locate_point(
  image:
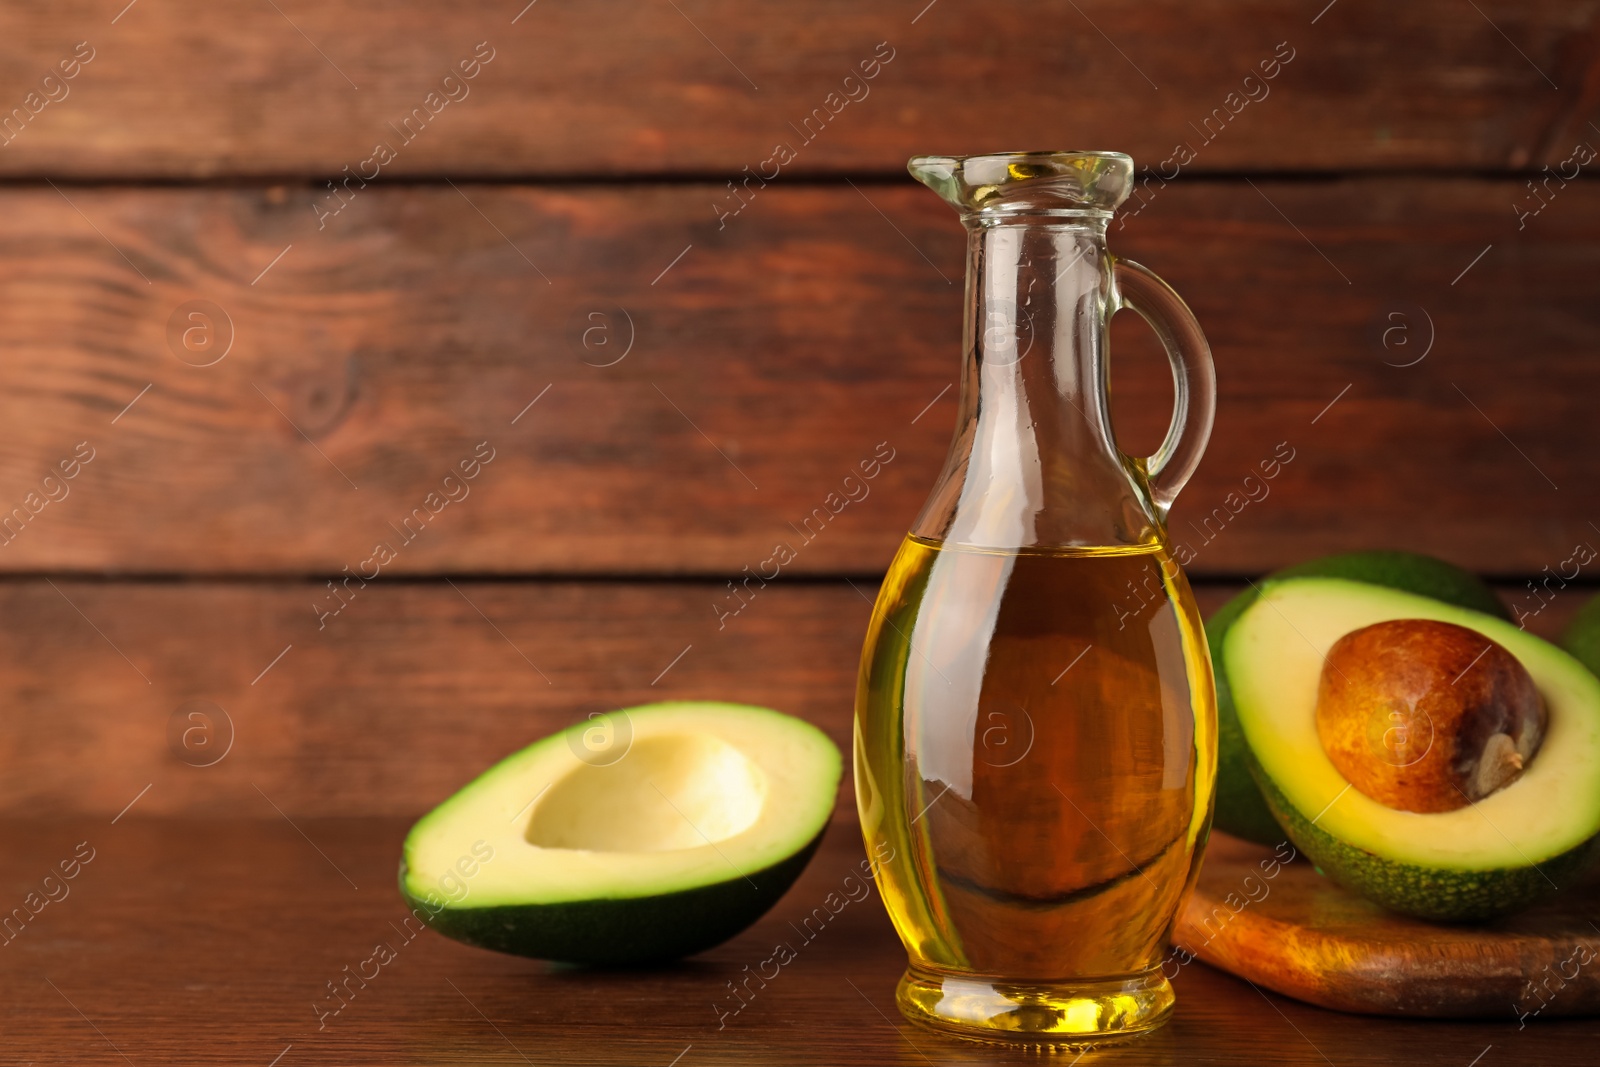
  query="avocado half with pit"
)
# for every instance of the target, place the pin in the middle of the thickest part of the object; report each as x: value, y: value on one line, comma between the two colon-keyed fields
x: 1486, y: 858
x: 642, y: 836
x: 1240, y: 809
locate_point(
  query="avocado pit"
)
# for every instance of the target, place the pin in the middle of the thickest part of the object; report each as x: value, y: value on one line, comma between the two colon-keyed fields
x: 1427, y: 716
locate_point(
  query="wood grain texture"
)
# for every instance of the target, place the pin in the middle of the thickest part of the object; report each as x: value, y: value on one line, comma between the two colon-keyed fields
x: 215, y: 941
x: 395, y: 703
x: 398, y: 700
x: 760, y: 365
x: 712, y: 86
x: 667, y: 390
x: 1291, y: 930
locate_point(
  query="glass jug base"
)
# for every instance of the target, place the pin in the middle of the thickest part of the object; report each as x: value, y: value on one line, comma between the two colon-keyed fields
x: 1068, y: 1014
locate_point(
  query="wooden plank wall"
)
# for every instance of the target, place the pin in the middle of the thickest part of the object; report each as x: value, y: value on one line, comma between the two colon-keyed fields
x: 267, y: 279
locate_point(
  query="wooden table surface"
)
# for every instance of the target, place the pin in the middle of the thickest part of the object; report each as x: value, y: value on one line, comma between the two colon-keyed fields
x: 190, y: 941
x: 266, y: 364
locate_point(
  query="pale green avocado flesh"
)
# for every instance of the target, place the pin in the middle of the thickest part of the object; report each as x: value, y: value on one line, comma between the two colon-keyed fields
x: 662, y: 831
x: 1241, y: 810
x: 1486, y: 859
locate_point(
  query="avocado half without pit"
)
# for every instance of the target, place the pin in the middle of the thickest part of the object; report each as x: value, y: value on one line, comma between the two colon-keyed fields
x: 646, y: 835
x: 1437, y: 760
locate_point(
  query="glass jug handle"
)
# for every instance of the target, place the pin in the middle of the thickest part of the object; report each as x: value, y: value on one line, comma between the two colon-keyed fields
x: 1194, y: 379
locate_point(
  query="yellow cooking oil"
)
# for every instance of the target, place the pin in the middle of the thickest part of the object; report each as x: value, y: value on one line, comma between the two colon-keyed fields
x: 1035, y: 751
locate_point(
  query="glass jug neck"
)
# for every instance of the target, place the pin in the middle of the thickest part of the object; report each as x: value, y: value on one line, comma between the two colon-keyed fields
x: 1034, y: 461
x: 1038, y: 303
x: 1038, y: 297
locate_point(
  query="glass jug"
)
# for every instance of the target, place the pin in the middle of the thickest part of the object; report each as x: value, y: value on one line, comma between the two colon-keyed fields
x: 1035, y: 731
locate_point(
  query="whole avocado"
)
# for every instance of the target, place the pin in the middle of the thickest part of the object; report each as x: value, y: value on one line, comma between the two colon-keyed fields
x: 1240, y: 809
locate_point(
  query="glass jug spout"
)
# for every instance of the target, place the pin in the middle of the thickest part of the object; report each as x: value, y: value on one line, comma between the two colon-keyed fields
x: 1014, y: 183
x: 1034, y: 461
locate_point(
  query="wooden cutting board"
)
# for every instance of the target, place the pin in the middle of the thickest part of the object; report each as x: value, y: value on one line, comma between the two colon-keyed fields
x: 1285, y: 927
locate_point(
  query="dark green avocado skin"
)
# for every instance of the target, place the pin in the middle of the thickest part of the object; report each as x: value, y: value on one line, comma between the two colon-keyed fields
x: 1240, y: 809
x: 632, y: 932
x: 1426, y: 892
x: 1582, y: 636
